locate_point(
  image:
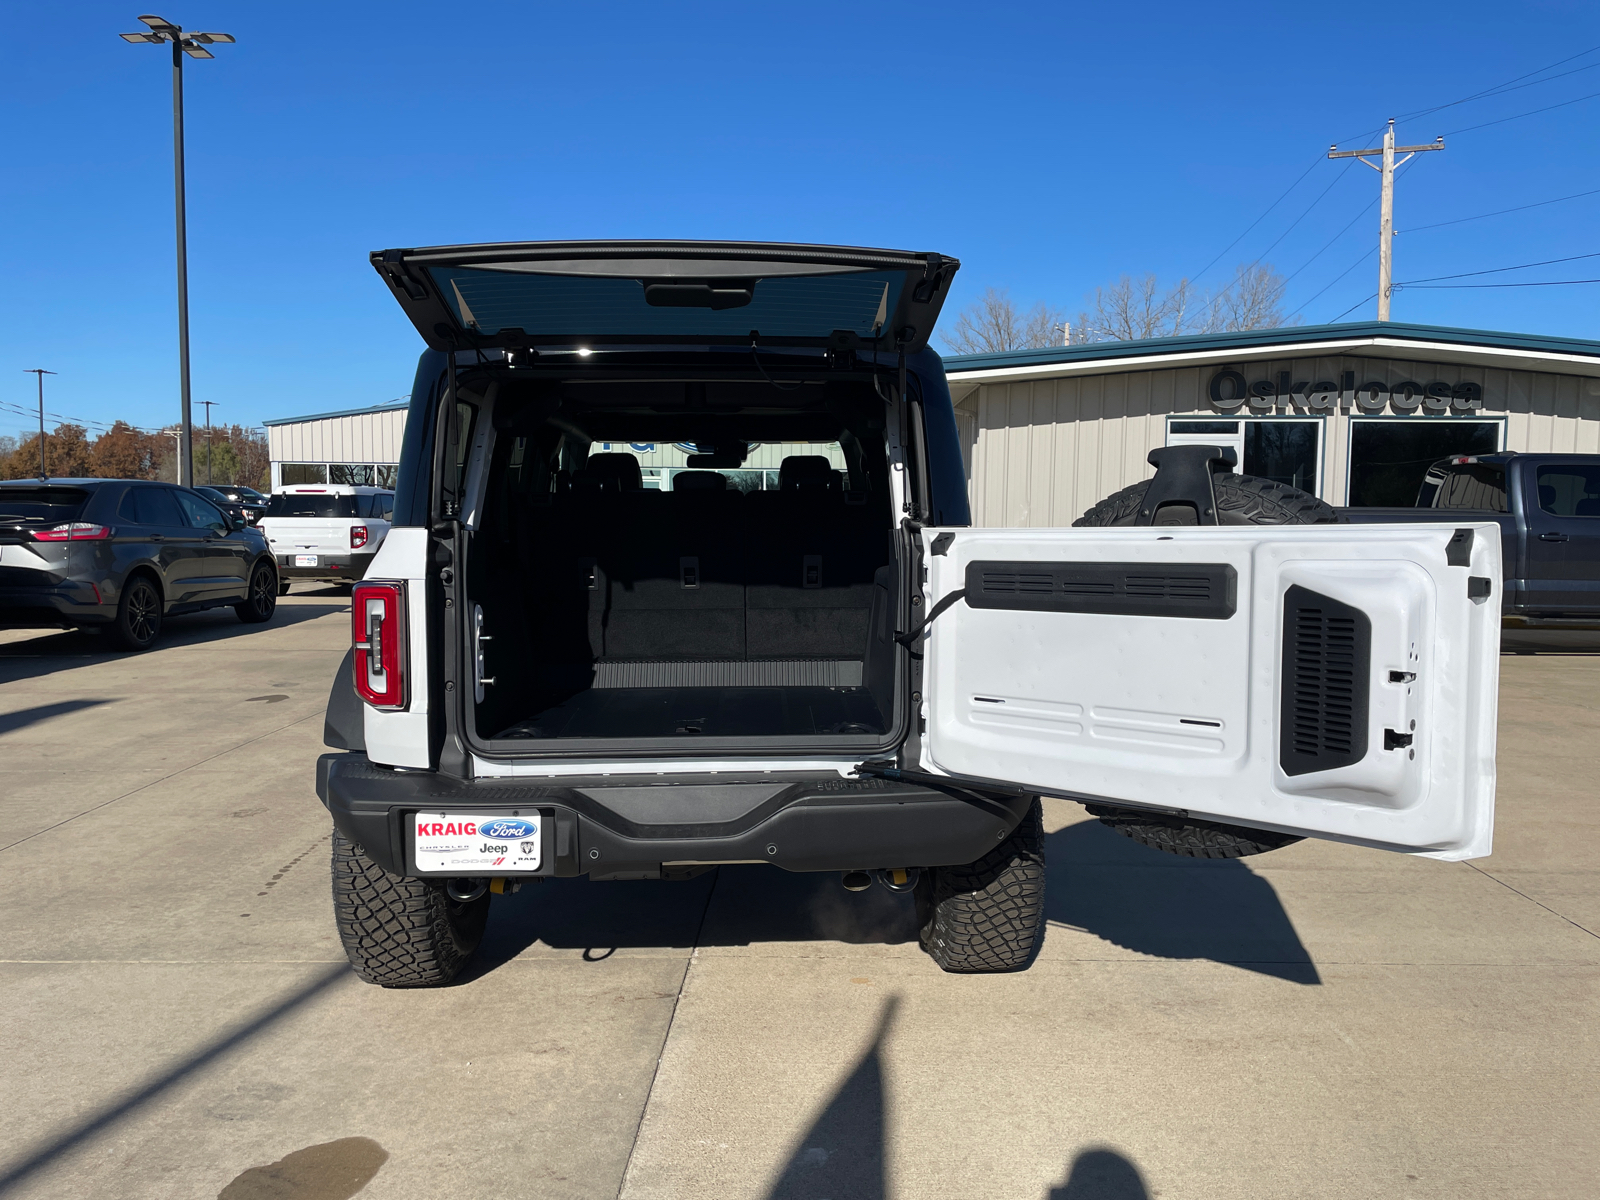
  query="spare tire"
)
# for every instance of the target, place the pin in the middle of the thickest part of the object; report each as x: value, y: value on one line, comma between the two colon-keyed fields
x: 1241, y: 500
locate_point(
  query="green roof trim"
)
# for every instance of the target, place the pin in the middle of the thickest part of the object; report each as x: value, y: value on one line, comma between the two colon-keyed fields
x: 1266, y: 339
x: 392, y: 406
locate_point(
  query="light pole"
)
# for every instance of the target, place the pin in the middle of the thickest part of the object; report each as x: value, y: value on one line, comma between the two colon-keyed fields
x: 194, y: 45
x: 208, y: 404
x: 41, y: 373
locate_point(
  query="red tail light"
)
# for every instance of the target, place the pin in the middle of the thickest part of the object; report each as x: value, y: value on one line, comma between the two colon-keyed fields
x: 378, y: 614
x: 76, y: 531
x: 358, y: 536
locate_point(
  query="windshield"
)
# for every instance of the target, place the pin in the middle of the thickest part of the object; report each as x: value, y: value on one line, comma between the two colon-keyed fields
x: 41, y: 504
x: 803, y: 306
x: 310, y: 504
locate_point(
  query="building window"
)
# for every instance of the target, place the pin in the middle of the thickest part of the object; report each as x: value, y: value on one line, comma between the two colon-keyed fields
x: 354, y: 474
x: 1282, y: 449
x: 293, y: 473
x: 1390, y: 456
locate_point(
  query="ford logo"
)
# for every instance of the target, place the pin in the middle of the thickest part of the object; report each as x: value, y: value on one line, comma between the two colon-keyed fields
x: 506, y: 829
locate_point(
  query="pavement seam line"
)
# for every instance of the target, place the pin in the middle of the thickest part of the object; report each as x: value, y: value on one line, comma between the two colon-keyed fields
x: 666, y: 1036
x: 170, y: 775
x: 1531, y: 900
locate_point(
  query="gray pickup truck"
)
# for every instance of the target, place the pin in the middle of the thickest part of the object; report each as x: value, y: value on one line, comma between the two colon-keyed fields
x: 1548, y: 510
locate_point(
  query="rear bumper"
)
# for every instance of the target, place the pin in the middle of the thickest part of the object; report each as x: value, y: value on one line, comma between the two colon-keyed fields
x: 329, y: 566
x: 46, y: 606
x: 594, y: 828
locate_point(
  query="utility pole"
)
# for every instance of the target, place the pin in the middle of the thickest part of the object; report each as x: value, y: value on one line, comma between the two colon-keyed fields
x: 1386, y: 222
x: 208, y: 404
x: 41, y: 373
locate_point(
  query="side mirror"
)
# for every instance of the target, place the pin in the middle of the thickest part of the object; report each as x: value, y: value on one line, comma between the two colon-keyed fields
x: 236, y: 522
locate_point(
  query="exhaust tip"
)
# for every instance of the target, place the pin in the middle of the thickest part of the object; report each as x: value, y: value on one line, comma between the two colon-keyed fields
x: 855, y: 881
x: 465, y: 891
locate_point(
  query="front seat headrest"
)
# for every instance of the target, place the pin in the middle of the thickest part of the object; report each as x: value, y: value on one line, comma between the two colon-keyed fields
x: 807, y: 472
x: 615, y: 472
x: 699, y: 481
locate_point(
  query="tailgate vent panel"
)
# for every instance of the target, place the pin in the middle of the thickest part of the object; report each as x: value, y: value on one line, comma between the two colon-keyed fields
x: 1204, y: 590
x: 1327, y: 652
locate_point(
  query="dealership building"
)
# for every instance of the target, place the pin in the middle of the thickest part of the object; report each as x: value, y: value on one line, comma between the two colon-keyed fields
x: 1353, y: 413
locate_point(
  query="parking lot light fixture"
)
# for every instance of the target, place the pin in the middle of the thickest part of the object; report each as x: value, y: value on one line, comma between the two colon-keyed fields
x: 159, y: 30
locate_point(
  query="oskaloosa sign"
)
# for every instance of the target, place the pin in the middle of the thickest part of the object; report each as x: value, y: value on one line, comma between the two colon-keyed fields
x: 1229, y: 392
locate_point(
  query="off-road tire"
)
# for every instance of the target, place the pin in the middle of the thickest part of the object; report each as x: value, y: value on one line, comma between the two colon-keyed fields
x: 988, y: 916
x: 261, y: 600
x: 400, y: 932
x: 1191, y: 839
x: 1241, y: 500
x: 138, y: 619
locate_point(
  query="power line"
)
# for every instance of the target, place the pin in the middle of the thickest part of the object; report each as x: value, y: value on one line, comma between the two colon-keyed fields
x: 1498, y: 270
x: 1502, y: 88
x: 1500, y: 212
x: 1258, y: 220
x: 1338, y: 277
x: 1363, y: 212
x: 1352, y: 308
x: 1533, y: 113
x: 1447, y: 286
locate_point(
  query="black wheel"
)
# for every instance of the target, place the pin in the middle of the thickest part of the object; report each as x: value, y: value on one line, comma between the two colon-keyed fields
x: 283, y: 587
x: 138, y: 614
x: 401, y: 932
x: 987, y: 916
x: 261, y: 601
x: 1191, y: 839
x: 1241, y: 500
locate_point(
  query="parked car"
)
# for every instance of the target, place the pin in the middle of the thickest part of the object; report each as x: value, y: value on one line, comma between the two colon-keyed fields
x: 326, y: 532
x: 1548, y: 510
x: 558, y: 672
x: 230, y: 508
x: 120, y: 556
x: 251, y: 502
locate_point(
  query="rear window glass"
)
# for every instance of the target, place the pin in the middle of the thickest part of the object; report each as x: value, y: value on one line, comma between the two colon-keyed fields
x: 310, y: 504
x: 1570, y: 490
x: 1472, y: 485
x: 41, y: 504
x: 806, y: 306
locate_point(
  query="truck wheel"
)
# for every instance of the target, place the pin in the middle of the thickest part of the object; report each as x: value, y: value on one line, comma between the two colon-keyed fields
x: 400, y: 932
x: 1241, y: 500
x: 1191, y: 839
x: 261, y: 601
x: 138, y: 614
x: 987, y: 916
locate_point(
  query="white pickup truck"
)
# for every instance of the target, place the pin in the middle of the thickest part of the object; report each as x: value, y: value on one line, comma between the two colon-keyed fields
x: 327, y: 533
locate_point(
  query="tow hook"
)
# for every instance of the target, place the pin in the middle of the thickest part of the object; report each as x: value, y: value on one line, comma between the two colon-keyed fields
x: 898, y: 879
x: 501, y: 886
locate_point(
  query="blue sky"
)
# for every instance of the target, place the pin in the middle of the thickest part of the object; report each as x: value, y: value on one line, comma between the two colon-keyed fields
x: 1049, y: 147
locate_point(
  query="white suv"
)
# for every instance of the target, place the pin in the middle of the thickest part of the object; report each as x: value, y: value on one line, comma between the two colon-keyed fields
x: 326, y: 532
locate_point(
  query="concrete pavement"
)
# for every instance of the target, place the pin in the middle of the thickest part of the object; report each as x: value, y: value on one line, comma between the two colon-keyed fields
x: 1318, y: 1022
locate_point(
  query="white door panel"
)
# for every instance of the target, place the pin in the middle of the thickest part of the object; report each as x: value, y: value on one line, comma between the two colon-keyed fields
x: 1149, y: 666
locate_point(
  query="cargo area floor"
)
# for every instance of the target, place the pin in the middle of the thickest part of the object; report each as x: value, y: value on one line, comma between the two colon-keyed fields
x: 655, y: 712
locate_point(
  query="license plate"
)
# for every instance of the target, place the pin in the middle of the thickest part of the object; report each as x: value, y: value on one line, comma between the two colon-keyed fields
x: 463, y: 843
x: 305, y: 560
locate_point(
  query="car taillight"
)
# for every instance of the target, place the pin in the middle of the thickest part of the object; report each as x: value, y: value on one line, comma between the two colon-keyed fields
x: 76, y: 531
x: 378, y: 613
x: 358, y: 536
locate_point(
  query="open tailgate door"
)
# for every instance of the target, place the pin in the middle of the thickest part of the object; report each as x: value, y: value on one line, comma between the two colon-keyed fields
x: 1335, y: 681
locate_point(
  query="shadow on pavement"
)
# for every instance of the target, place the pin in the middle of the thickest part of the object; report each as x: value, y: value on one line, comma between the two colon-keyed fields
x: 1101, y: 883
x: 22, y: 718
x: 750, y: 904
x: 1526, y: 641
x: 841, y: 1155
x: 61, y: 650
x: 1101, y: 1174
x: 107, y: 1115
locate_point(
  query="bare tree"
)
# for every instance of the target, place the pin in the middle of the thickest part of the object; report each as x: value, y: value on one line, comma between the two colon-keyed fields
x: 992, y: 324
x: 1254, y: 300
x: 1131, y: 309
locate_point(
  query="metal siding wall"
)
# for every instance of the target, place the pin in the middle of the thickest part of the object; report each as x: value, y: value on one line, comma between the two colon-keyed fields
x: 1047, y: 450
x: 363, y: 438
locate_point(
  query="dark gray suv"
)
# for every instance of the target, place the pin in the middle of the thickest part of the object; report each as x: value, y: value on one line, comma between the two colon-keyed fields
x: 121, y: 555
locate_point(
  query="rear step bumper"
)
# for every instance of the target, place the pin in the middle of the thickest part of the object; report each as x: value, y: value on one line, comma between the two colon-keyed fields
x: 610, y: 829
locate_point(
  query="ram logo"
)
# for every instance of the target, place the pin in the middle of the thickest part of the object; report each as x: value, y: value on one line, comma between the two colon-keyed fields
x: 507, y: 828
